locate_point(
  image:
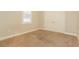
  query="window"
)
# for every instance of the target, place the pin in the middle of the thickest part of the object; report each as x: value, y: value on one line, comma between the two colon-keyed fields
x: 27, y: 17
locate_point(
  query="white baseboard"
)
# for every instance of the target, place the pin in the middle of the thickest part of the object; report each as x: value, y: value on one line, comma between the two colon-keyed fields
x: 73, y: 34
x: 13, y: 35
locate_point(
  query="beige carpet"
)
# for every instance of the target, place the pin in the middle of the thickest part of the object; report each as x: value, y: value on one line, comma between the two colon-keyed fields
x: 41, y: 38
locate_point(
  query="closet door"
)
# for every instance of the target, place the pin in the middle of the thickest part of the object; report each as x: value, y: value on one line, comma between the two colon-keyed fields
x: 54, y: 21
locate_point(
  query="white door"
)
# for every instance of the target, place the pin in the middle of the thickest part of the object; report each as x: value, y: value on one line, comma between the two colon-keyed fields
x: 54, y: 21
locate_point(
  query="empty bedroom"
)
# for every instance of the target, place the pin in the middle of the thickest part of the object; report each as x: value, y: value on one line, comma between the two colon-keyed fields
x: 39, y: 29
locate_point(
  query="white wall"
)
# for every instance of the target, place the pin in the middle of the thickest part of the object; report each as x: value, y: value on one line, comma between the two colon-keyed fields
x: 11, y: 23
x: 71, y: 22
x: 41, y: 19
x: 78, y: 24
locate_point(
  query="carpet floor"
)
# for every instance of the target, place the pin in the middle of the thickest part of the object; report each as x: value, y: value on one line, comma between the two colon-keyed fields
x: 41, y: 38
